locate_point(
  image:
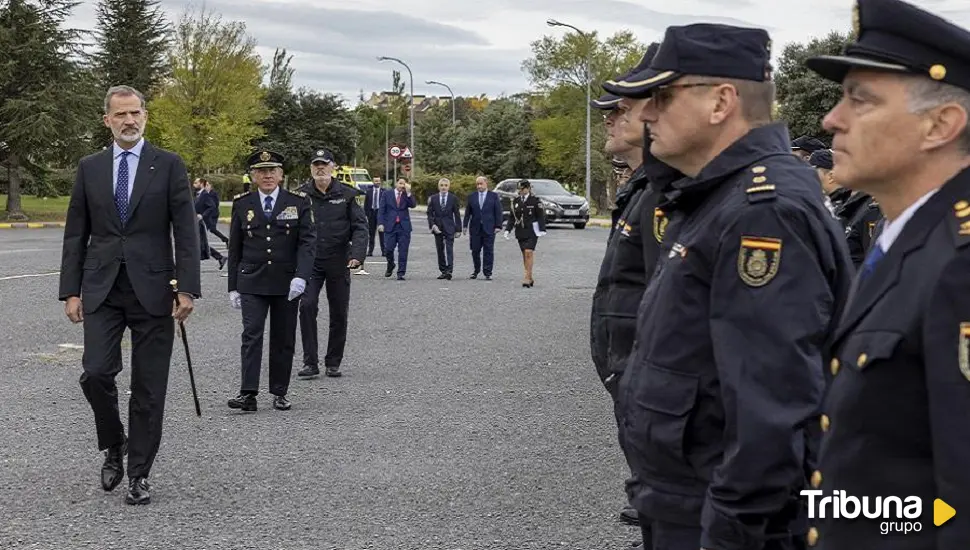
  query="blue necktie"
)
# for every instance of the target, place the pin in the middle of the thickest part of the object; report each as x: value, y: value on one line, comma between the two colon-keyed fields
x: 268, y: 206
x: 875, y: 254
x: 121, y: 189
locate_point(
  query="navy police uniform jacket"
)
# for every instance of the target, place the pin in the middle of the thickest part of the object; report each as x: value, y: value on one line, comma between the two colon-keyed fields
x: 340, y: 221
x: 897, y: 416
x: 859, y: 214
x: 727, y: 369
x: 523, y: 214
x: 266, y: 254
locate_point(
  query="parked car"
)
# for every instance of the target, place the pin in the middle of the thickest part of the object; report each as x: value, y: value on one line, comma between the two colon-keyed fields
x: 560, y: 205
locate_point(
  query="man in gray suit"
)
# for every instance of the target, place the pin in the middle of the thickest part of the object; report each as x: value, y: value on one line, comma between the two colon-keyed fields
x: 127, y: 204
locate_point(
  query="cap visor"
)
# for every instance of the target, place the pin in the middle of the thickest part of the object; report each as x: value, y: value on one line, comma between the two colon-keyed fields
x: 321, y: 159
x: 266, y: 165
x: 640, y: 85
x: 835, y: 67
x: 605, y: 105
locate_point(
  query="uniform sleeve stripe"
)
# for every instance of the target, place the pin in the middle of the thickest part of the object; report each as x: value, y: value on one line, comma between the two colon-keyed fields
x: 765, y: 244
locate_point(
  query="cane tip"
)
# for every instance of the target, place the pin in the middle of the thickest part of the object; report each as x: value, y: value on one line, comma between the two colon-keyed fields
x: 173, y: 282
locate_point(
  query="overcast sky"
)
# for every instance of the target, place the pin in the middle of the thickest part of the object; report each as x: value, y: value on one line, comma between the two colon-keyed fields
x: 477, y: 46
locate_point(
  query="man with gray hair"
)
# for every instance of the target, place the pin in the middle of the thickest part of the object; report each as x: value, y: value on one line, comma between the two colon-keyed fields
x: 483, y: 220
x: 444, y: 220
x: 129, y: 203
x: 896, y: 419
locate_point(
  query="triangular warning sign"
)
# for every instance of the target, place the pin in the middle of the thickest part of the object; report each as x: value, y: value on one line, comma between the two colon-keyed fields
x: 942, y: 512
x: 407, y: 153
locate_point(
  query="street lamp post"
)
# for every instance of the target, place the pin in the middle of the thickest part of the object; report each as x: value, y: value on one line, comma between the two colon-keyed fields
x: 452, y: 94
x: 414, y: 155
x: 589, y: 55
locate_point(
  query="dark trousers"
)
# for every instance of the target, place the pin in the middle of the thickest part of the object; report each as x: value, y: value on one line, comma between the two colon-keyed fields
x: 151, y: 355
x: 445, y: 244
x: 401, y: 240
x: 632, y: 484
x: 282, y: 336
x: 214, y: 229
x: 659, y: 535
x: 336, y: 277
x: 374, y: 233
x: 482, y: 240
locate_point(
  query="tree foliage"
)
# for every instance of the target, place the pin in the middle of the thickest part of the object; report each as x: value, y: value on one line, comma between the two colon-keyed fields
x: 803, y: 96
x: 210, y: 109
x: 43, y: 91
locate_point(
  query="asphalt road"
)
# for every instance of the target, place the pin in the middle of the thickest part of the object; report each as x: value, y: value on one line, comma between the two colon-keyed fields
x: 469, y: 417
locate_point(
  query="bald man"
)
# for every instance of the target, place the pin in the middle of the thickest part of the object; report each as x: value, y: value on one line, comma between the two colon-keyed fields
x: 483, y: 219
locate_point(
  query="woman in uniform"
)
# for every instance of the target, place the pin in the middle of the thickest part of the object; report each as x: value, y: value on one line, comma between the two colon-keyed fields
x: 529, y: 223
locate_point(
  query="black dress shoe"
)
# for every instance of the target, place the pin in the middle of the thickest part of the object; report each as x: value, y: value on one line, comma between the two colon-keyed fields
x: 139, y: 492
x: 629, y: 515
x: 474, y: 276
x: 113, y: 469
x: 448, y: 276
x: 308, y: 371
x: 400, y: 277
x: 488, y: 277
x: 281, y: 403
x: 443, y: 276
x: 244, y: 401
x: 334, y: 372
x: 390, y: 269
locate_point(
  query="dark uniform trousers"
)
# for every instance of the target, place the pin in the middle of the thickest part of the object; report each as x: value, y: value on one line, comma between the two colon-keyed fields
x: 282, y: 327
x: 445, y: 245
x: 335, y: 275
x: 151, y: 351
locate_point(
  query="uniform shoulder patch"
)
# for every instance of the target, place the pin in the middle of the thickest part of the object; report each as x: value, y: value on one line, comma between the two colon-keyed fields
x: 659, y: 224
x: 240, y: 195
x: 758, y: 260
x: 960, y: 223
x: 299, y: 193
x: 758, y: 189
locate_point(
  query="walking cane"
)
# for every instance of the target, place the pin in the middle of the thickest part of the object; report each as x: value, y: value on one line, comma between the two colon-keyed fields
x: 188, y: 357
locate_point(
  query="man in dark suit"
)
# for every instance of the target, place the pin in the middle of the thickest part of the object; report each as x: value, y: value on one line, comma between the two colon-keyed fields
x: 444, y: 220
x: 394, y: 220
x: 203, y: 210
x: 211, y: 215
x: 272, y: 246
x: 128, y: 203
x: 483, y: 220
x: 372, y: 206
x: 897, y: 409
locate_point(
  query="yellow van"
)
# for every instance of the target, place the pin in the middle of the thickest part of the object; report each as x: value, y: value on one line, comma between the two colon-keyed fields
x: 353, y: 176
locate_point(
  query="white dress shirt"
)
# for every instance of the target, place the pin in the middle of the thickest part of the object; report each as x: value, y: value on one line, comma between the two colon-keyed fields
x: 262, y: 198
x: 133, y: 159
x: 892, y: 229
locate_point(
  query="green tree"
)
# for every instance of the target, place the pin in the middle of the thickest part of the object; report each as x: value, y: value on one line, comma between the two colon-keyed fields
x: 282, y: 128
x: 804, y: 97
x: 557, y: 70
x: 438, y: 140
x: 371, y: 125
x: 133, y: 38
x: 43, y: 88
x: 211, y: 107
x: 500, y: 143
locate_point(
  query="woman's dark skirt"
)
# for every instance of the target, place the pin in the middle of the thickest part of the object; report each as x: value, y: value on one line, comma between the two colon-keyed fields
x: 529, y: 243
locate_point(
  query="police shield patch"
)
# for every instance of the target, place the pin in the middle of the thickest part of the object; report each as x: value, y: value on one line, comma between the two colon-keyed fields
x: 659, y: 224
x: 758, y: 260
x: 964, y: 351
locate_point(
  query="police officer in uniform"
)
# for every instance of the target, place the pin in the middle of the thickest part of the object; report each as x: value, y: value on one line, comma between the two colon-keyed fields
x: 727, y: 368
x: 341, y: 245
x: 528, y: 221
x: 857, y: 211
x: 897, y: 414
x: 272, y: 239
x: 803, y: 147
x: 630, y: 258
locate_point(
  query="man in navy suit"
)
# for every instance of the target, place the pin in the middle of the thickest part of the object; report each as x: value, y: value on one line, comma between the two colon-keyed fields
x: 204, y: 207
x: 372, y: 205
x: 483, y: 220
x: 444, y: 220
x: 394, y: 221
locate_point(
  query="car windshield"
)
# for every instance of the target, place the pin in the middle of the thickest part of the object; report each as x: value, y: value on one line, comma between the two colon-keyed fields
x: 362, y: 177
x: 548, y: 187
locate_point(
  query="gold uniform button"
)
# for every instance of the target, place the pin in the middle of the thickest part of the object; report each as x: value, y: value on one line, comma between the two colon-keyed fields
x: 816, y: 479
x: 269, y: 250
x: 267, y: 226
x: 834, y: 365
x: 269, y: 238
x: 862, y: 360
x: 269, y: 262
x: 825, y: 422
x: 812, y: 536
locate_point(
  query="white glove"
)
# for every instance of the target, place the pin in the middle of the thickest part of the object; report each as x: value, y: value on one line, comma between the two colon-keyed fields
x: 506, y: 235
x: 434, y: 229
x: 235, y: 300
x: 541, y: 234
x: 297, y: 286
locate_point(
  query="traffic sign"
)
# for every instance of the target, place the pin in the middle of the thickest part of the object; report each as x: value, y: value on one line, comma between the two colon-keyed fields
x: 406, y: 168
x: 395, y: 151
x: 407, y: 153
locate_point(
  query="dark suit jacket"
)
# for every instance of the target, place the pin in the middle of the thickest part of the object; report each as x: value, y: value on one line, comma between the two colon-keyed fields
x: 486, y: 218
x: 95, y: 243
x: 390, y: 211
x: 369, y: 199
x: 211, y: 214
x: 447, y: 217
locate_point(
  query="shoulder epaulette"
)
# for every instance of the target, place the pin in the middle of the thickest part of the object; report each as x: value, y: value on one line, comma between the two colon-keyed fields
x: 960, y: 223
x: 299, y: 193
x: 241, y: 195
x: 758, y: 189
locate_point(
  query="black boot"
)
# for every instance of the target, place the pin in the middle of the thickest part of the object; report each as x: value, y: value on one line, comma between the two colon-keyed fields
x: 113, y: 469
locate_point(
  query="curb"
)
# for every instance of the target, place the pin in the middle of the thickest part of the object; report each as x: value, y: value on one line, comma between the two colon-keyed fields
x: 592, y: 221
x: 32, y: 225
